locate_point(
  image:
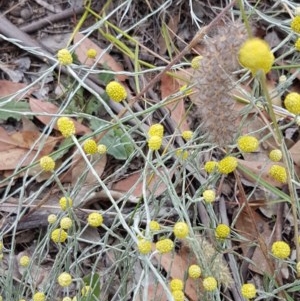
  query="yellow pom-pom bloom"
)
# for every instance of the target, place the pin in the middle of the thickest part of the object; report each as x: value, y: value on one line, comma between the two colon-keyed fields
x: 47, y: 163
x: 178, y: 295
x: 66, y: 223
x: 227, y: 165
x: 255, y: 55
x: 64, y: 279
x: 292, y: 103
x: 181, y: 230
x: 154, y: 142
x: 187, y: 135
x: 86, y: 290
x: 156, y: 130
x: 52, y: 218
x: 210, y: 284
x: 59, y: 235
x: 116, y: 91
x: 95, y: 219
x: 66, y: 126
x: 154, y: 226
x: 275, y: 155
x: 248, y: 144
x: 65, y: 203
x: 248, y: 291
x: 194, y: 271
x: 195, y: 63
x: 182, y: 154
x: 24, y: 261
x: 295, y: 24
x: 164, y: 246
x: 91, y: 53
x: 278, y: 173
x: 222, y: 231
x: 90, y: 146
x: 176, y: 285
x: 209, y: 196
x: 211, y: 166
x: 102, y: 149
x: 39, y: 297
x: 281, y: 249
x: 144, y: 246
x: 64, y: 57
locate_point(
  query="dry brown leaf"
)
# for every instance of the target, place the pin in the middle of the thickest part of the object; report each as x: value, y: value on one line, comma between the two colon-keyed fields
x: 155, y: 187
x: 169, y: 86
x: 38, y: 106
x: 155, y: 293
x: 295, y: 153
x: 8, y: 88
x: 105, y: 58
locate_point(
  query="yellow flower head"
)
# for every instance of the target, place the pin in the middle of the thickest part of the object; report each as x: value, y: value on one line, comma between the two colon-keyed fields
x: 211, y: 166
x: 144, y: 246
x: 278, y: 173
x: 64, y: 57
x: 156, y: 130
x: 24, y: 261
x: 154, y: 226
x: 64, y: 279
x: 39, y: 297
x: 227, y: 165
x: 154, y: 142
x: 178, y: 295
x: 52, y: 218
x: 209, y: 195
x: 222, y: 231
x: 102, y: 149
x: 59, y: 235
x: 66, y: 126
x: 210, y: 284
x: 95, y: 219
x: 275, y: 155
x: 86, y: 290
x: 164, y: 246
x: 91, y: 53
x: 297, y: 44
x: 255, y: 55
x: 194, y: 271
x: 248, y: 291
x: 195, y: 63
x: 181, y: 230
x: 182, y: 154
x: 295, y: 24
x: 176, y: 285
x: 47, y: 163
x: 65, y: 203
x: 292, y: 103
x: 281, y: 249
x: 66, y: 223
x: 248, y: 144
x: 116, y: 91
x: 90, y: 146
x: 187, y: 135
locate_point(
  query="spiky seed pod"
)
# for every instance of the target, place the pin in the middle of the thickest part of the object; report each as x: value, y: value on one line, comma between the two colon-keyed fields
x: 214, y: 81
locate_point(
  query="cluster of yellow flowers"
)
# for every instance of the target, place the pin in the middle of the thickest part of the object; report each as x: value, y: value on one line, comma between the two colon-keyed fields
x: 176, y: 286
x: 155, y: 133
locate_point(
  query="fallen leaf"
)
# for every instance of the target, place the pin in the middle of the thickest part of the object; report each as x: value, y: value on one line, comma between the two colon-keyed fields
x: 42, y: 107
x: 295, y: 153
x: 8, y: 88
x: 105, y: 58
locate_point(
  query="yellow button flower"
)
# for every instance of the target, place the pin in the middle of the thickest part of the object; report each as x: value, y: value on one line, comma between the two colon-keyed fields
x: 178, y: 295
x: 144, y: 246
x: 255, y: 55
x: 90, y: 146
x: 66, y: 126
x: 209, y: 196
x: 164, y: 246
x: 47, y: 163
x: 295, y: 24
x: 95, y: 219
x: 91, y: 53
x: 116, y: 91
x: 248, y: 291
x: 156, y: 130
x: 39, y: 297
x: 66, y: 223
x: 86, y: 290
x: 59, y: 235
x: 176, y: 285
x: 181, y: 230
x: 154, y: 226
x: 187, y: 135
x: 194, y: 271
x: 195, y: 63
x: 210, y: 284
x: 297, y: 44
x: 24, y: 261
x: 281, y: 249
x: 64, y: 57
x: 182, y: 154
x: 102, y: 149
x: 52, y: 218
x: 278, y: 173
x: 222, y: 231
x: 154, y: 142
x: 211, y: 166
x: 248, y: 144
x: 65, y: 203
x: 64, y: 279
x: 292, y: 103
x: 227, y: 165
x: 275, y: 155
